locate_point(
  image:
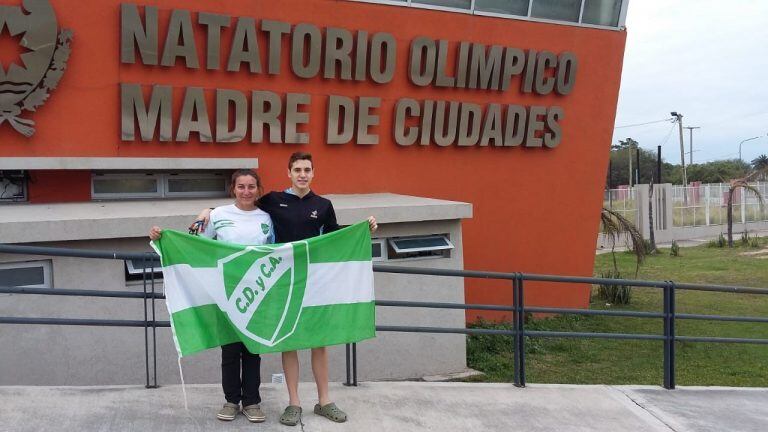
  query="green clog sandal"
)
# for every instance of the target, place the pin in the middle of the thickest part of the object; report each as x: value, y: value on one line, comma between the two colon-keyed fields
x: 291, y: 416
x: 331, y: 412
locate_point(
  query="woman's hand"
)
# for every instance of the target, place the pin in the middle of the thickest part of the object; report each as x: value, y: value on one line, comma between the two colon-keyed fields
x: 155, y: 233
x: 205, y: 217
x: 372, y: 225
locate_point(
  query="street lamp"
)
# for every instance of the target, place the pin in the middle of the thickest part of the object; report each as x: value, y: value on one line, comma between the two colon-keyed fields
x: 742, y: 142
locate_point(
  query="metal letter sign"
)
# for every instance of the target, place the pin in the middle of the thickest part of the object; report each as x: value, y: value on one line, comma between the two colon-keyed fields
x: 26, y: 86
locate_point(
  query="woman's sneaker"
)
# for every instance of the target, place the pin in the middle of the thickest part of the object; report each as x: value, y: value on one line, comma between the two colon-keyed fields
x: 254, y: 414
x: 228, y: 412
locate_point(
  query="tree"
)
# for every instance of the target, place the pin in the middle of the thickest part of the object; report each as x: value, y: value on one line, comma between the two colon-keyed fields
x: 760, y: 163
x: 618, y: 173
x: 740, y: 183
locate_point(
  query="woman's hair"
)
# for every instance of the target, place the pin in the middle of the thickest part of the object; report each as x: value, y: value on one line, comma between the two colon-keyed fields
x: 245, y: 172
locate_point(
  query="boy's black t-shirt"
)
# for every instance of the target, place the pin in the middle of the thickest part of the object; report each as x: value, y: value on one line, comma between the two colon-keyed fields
x: 295, y: 218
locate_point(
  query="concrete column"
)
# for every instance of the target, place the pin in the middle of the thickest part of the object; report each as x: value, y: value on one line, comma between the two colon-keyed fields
x: 665, y: 212
x: 641, y: 202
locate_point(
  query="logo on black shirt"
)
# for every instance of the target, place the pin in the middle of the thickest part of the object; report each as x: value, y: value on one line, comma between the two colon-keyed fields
x: 313, y: 215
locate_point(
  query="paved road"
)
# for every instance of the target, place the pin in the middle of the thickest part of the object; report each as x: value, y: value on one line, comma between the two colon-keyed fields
x: 395, y: 406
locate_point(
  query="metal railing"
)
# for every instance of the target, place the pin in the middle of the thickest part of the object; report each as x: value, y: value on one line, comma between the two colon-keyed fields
x: 668, y: 315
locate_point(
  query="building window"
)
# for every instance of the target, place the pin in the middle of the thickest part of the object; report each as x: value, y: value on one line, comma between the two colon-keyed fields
x: 589, y: 13
x: 558, y: 10
x: 602, y: 12
x: 158, y: 185
x: 453, y: 4
x: 135, y: 268
x: 512, y: 7
x: 379, y: 249
x: 30, y: 274
x: 431, y: 246
x: 13, y: 186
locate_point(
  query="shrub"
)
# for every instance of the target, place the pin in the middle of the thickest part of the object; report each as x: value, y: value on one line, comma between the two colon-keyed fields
x: 614, y: 293
x: 675, y: 249
x: 745, y: 238
x: 718, y: 243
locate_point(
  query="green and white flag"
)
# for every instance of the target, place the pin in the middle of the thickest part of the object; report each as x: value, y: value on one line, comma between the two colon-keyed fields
x: 283, y: 297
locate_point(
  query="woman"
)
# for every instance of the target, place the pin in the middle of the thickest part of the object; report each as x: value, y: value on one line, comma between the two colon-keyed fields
x: 241, y: 223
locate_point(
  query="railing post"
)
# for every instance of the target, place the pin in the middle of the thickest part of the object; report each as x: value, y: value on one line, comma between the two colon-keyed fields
x: 354, y: 364
x: 521, y: 326
x: 146, y: 322
x: 154, y: 322
x: 145, y: 260
x: 518, y: 325
x: 351, y: 362
x: 669, y: 335
x: 348, y: 381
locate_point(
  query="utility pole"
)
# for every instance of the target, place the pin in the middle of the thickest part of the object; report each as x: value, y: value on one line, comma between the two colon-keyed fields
x: 658, y: 164
x: 629, y: 157
x: 679, y: 119
x: 690, y: 142
x: 630, y: 143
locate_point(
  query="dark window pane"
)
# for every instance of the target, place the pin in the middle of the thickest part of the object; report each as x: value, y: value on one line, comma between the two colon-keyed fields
x: 458, y: 4
x: 560, y: 10
x: 514, y: 7
x: 375, y: 250
x: 22, y: 276
x: 180, y: 185
x: 139, y: 264
x: 602, y: 12
x: 124, y: 186
x: 421, y: 243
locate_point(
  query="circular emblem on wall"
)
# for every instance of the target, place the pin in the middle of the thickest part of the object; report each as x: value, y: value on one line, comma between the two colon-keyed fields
x: 26, y: 84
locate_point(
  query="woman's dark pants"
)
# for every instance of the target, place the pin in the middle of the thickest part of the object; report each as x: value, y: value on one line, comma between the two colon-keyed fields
x: 237, y: 389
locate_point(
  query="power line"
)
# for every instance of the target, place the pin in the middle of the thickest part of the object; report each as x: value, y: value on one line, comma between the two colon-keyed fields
x: 669, y: 134
x: 643, y: 124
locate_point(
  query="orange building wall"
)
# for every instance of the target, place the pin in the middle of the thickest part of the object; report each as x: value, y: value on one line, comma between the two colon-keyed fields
x: 45, y: 186
x: 535, y: 209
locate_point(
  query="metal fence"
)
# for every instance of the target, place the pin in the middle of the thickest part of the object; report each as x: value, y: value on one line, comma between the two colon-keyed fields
x: 668, y: 314
x: 707, y: 204
x: 622, y: 201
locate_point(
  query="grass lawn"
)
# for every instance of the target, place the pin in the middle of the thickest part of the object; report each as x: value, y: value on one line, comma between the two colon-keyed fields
x: 593, y: 361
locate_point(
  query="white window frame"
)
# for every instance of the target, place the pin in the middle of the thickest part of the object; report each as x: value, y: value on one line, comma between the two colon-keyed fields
x: 448, y: 246
x: 472, y: 10
x: 161, y: 179
x: 47, y: 266
x: 126, y: 176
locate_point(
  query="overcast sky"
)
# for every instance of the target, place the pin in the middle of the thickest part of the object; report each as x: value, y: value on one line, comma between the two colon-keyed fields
x: 706, y: 59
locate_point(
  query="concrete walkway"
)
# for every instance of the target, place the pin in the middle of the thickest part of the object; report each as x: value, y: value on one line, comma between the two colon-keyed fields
x: 394, y: 406
x: 687, y: 242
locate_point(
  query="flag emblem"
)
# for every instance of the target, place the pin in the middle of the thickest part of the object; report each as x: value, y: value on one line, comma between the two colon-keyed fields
x: 264, y: 288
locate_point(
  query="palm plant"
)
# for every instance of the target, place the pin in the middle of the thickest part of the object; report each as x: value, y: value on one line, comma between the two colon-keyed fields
x: 741, y: 183
x: 614, y: 226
